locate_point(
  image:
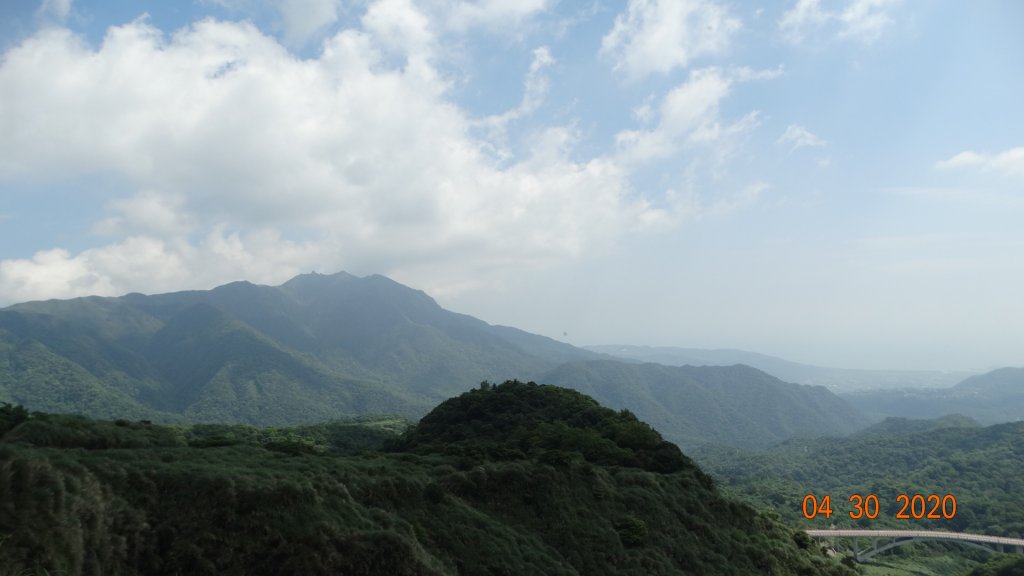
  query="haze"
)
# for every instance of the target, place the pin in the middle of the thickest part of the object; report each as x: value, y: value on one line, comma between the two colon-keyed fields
x: 838, y: 183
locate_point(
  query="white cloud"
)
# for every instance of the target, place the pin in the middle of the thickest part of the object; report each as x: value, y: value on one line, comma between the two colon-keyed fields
x: 657, y: 36
x: 866, y: 20
x: 1007, y: 163
x: 796, y: 137
x: 55, y: 9
x: 460, y: 16
x: 805, y: 15
x: 688, y: 115
x: 863, y: 20
x: 146, y: 212
x: 400, y: 27
x: 304, y: 19
x: 229, y: 141
x: 144, y: 263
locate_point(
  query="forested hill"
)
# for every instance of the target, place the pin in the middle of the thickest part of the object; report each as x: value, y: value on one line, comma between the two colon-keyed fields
x: 508, y: 479
x: 320, y: 346
x: 733, y: 405
x: 981, y: 467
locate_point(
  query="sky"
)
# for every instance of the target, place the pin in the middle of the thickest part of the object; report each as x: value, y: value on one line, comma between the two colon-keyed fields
x: 837, y: 182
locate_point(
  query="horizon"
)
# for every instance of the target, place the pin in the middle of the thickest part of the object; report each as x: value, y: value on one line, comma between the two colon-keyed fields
x: 563, y: 340
x: 833, y: 183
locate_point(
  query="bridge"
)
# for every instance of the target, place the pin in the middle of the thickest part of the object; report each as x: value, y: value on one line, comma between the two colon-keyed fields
x: 893, y: 538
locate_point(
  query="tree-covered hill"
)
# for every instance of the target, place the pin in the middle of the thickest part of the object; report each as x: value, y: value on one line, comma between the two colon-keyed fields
x: 692, y: 405
x: 981, y: 467
x: 322, y: 346
x: 79, y: 496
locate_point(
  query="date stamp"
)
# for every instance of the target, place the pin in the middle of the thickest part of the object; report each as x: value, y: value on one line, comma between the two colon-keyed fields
x: 911, y: 506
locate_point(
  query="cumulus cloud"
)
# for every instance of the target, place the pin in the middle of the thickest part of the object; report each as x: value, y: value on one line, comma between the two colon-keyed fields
x: 796, y: 137
x: 399, y: 26
x: 658, y: 36
x: 229, y: 141
x: 304, y: 19
x: 1007, y: 163
x: 863, y: 20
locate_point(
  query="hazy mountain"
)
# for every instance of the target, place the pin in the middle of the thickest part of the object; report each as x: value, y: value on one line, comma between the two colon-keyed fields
x: 989, y: 398
x: 1002, y: 382
x: 894, y: 425
x: 836, y: 379
x: 736, y: 405
x: 320, y: 346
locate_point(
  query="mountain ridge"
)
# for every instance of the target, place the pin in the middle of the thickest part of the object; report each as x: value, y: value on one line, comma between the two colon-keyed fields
x: 837, y: 379
x: 320, y: 346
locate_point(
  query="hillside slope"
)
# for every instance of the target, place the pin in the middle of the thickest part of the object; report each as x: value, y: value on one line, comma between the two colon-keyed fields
x: 734, y: 405
x: 980, y: 467
x: 312, y: 348
x: 609, y: 497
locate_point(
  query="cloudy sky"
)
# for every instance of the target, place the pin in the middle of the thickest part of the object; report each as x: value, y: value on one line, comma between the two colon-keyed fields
x: 838, y: 181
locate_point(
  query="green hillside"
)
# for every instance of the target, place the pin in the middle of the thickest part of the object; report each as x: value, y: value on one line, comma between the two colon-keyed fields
x: 980, y: 467
x: 734, y: 405
x: 508, y: 479
x: 323, y: 346
x: 314, y: 348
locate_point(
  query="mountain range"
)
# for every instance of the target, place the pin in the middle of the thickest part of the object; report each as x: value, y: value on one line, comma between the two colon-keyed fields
x: 321, y: 346
x: 839, y: 380
x: 990, y: 398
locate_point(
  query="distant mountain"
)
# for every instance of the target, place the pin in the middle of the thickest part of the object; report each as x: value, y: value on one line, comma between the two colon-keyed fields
x: 312, y: 348
x: 1002, y: 382
x: 893, y: 425
x: 989, y: 398
x: 735, y: 405
x: 322, y: 346
x: 836, y: 379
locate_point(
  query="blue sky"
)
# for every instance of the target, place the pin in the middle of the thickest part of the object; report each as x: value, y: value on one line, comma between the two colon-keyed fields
x: 836, y: 182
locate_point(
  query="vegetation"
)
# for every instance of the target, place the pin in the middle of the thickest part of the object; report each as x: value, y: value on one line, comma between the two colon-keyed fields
x: 981, y: 467
x: 1001, y: 566
x: 319, y: 346
x: 486, y: 484
x: 698, y: 405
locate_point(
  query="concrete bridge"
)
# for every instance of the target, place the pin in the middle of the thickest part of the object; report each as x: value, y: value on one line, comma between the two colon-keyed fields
x: 882, y: 540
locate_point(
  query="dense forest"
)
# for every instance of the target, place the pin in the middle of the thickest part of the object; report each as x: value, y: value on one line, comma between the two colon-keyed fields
x: 981, y: 467
x: 505, y: 479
